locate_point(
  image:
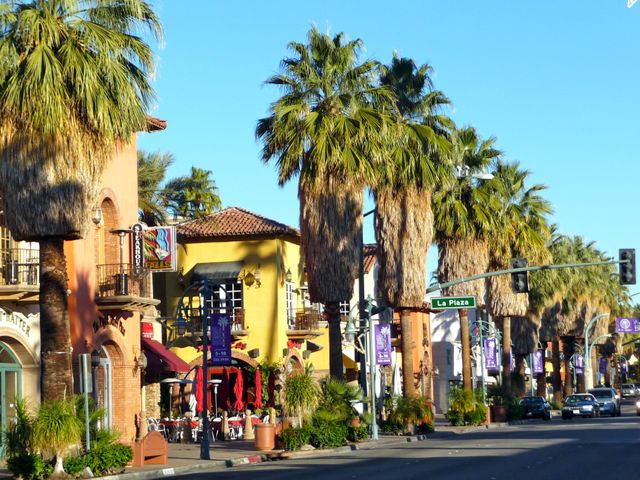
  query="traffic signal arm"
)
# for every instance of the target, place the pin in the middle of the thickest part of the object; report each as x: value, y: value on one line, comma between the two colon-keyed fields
x: 439, y: 286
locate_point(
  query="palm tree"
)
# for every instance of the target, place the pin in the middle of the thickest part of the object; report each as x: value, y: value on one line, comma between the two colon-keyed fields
x: 521, y: 230
x: 317, y: 130
x: 194, y: 196
x: 152, y: 198
x: 403, y: 217
x: 463, y: 225
x: 74, y: 86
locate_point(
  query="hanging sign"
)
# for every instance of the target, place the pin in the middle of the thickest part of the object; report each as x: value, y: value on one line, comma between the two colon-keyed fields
x: 538, y: 361
x: 491, y: 354
x: 579, y: 364
x: 383, y: 343
x: 137, y: 248
x: 512, y: 361
x: 160, y: 249
x: 627, y: 325
x: 220, y: 339
x: 602, y: 366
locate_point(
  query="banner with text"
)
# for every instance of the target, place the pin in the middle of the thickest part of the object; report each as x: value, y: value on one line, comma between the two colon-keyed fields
x: 220, y: 339
x: 491, y: 354
x: 627, y: 325
x: 538, y: 361
x: 383, y: 343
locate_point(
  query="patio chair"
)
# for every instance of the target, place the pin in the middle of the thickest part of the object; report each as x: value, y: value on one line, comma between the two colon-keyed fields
x: 154, y: 426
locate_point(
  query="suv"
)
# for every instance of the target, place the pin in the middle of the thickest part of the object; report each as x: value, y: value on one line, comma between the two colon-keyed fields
x: 628, y: 390
x: 608, y: 400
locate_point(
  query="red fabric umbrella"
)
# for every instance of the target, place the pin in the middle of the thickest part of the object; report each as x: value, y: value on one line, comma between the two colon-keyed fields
x: 271, y: 390
x: 223, y: 391
x: 238, y: 389
x: 257, y: 403
x: 199, y: 391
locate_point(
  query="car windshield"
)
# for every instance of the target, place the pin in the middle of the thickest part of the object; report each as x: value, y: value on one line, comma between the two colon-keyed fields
x: 578, y: 398
x: 601, y: 393
x: 530, y: 400
x: 627, y: 385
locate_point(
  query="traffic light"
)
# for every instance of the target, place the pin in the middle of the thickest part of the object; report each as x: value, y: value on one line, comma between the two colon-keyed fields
x: 627, y: 265
x: 519, y: 280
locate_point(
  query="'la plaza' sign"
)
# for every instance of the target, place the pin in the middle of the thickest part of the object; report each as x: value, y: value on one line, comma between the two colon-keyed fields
x: 452, y: 303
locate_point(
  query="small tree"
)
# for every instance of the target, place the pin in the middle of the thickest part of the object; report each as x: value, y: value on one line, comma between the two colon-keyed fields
x: 301, y: 394
x: 55, y: 430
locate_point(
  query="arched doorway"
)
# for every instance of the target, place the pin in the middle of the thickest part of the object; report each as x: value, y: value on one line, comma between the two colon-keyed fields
x: 10, y: 389
x: 103, y: 385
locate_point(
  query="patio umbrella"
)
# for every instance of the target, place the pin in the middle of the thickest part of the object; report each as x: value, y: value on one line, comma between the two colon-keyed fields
x: 238, y: 389
x: 257, y: 403
x: 271, y: 390
x: 223, y: 393
x: 199, y: 391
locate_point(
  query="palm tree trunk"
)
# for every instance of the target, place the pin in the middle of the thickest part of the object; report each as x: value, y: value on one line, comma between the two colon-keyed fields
x: 520, y: 386
x: 541, y: 378
x: 466, y: 349
x: 556, y: 379
x: 568, y: 350
x: 56, y: 375
x: 332, y: 309
x: 408, y: 381
x: 506, y: 352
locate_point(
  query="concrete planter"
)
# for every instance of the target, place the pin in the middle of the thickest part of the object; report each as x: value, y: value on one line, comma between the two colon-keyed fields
x: 498, y: 413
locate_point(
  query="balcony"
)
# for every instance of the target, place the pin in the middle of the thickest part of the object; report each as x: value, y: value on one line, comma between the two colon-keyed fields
x: 191, y: 332
x: 119, y: 289
x: 306, y: 325
x: 20, y: 275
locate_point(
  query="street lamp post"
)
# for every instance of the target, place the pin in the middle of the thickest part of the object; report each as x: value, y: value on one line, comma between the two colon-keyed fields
x: 362, y: 304
x: 588, y: 348
x: 588, y: 371
x: 492, y: 332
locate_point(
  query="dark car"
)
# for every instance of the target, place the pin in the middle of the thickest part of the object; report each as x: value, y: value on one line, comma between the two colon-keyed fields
x: 580, y: 404
x: 536, y: 407
x: 608, y: 399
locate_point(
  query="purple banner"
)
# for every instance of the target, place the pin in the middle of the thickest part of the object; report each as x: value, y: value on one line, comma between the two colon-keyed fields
x: 628, y: 325
x: 602, y: 366
x: 538, y: 361
x: 512, y: 361
x: 579, y: 364
x: 220, y: 339
x: 491, y: 354
x: 623, y: 368
x: 383, y: 343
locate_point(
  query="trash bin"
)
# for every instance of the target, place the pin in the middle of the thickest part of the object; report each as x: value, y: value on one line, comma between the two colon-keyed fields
x: 265, y: 434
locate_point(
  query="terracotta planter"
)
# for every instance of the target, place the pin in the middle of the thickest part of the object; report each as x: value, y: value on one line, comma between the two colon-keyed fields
x: 265, y: 434
x: 498, y: 413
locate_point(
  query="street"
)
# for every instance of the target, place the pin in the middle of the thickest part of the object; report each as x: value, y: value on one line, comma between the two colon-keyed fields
x: 577, y: 449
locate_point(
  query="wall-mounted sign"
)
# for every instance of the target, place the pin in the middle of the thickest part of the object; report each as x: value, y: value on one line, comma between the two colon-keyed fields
x: 137, y: 248
x: 146, y: 330
x: 17, y: 320
x: 160, y: 249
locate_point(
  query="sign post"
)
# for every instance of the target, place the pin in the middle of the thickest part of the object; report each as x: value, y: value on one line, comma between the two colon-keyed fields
x: 87, y: 388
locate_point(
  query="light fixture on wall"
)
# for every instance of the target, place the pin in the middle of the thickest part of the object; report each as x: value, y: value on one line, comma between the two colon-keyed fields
x: 96, y: 215
x: 251, y: 278
x: 140, y: 362
x: 288, y: 276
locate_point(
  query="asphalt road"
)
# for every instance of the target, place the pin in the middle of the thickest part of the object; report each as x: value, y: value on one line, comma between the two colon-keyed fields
x: 579, y: 449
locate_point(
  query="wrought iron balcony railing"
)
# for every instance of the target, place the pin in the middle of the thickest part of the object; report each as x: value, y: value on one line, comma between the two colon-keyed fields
x: 115, y: 279
x: 20, y: 266
x: 306, y: 320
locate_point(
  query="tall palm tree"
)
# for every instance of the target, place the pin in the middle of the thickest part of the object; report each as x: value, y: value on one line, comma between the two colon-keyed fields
x: 317, y: 130
x: 74, y: 86
x: 152, y: 198
x: 416, y: 146
x: 193, y: 196
x: 521, y: 230
x: 463, y: 225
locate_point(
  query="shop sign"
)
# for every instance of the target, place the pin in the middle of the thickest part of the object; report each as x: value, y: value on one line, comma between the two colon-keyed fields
x: 15, y: 319
x: 137, y: 248
x: 160, y: 249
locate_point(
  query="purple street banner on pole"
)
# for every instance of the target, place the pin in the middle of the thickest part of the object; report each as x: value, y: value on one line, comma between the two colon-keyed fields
x: 512, y: 361
x: 627, y: 325
x: 623, y: 368
x: 220, y: 339
x: 579, y: 364
x: 602, y: 366
x: 538, y: 361
x: 491, y: 354
x: 383, y: 343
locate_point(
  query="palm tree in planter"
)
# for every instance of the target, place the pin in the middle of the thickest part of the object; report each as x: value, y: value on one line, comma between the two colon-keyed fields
x: 463, y: 225
x: 319, y: 130
x: 521, y: 230
x: 415, y: 148
x: 74, y: 87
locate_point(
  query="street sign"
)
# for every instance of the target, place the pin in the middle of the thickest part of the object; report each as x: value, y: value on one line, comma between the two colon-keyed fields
x: 452, y: 303
x: 627, y: 325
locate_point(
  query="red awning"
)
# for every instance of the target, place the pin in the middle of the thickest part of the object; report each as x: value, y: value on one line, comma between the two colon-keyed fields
x: 160, y: 358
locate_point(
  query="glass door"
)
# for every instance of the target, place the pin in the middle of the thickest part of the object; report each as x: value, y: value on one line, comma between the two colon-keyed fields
x: 10, y: 391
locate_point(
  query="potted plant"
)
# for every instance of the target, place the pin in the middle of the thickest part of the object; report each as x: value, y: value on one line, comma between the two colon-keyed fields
x: 498, y: 398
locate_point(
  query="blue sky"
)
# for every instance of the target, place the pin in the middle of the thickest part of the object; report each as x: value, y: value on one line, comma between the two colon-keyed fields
x: 555, y: 82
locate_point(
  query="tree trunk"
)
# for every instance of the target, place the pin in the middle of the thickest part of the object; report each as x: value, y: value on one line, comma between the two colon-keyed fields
x: 466, y: 349
x: 568, y: 350
x: 56, y: 379
x: 556, y: 379
x: 506, y: 353
x: 332, y: 310
x: 408, y: 380
x: 541, y: 378
x: 519, y: 385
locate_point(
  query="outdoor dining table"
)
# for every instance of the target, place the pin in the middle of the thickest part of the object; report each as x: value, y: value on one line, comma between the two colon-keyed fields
x: 174, y: 428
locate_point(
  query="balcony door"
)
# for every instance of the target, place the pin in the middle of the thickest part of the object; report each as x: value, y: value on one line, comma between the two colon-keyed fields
x: 10, y: 391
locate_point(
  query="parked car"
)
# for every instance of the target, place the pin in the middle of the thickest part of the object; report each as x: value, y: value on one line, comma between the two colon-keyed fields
x: 628, y: 390
x: 608, y: 399
x: 536, y: 407
x: 637, y: 385
x: 580, y: 404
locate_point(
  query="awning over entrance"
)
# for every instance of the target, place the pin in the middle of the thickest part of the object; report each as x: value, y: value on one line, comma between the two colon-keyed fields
x: 160, y: 359
x: 216, y: 272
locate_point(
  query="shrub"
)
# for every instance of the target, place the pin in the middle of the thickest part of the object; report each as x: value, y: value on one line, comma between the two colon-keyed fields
x: 411, y: 411
x: 329, y: 435
x: 301, y: 395
x: 515, y: 411
x: 390, y: 426
x: 108, y: 458
x: 477, y: 416
x: 455, y: 418
x: 338, y: 397
x: 294, y: 438
x: 357, y: 434
x: 426, y: 427
x: 29, y: 466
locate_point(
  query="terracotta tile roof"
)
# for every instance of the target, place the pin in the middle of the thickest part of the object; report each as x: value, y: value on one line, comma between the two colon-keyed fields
x: 370, y: 258
x: 233, y: 222
x: 155, y: 124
